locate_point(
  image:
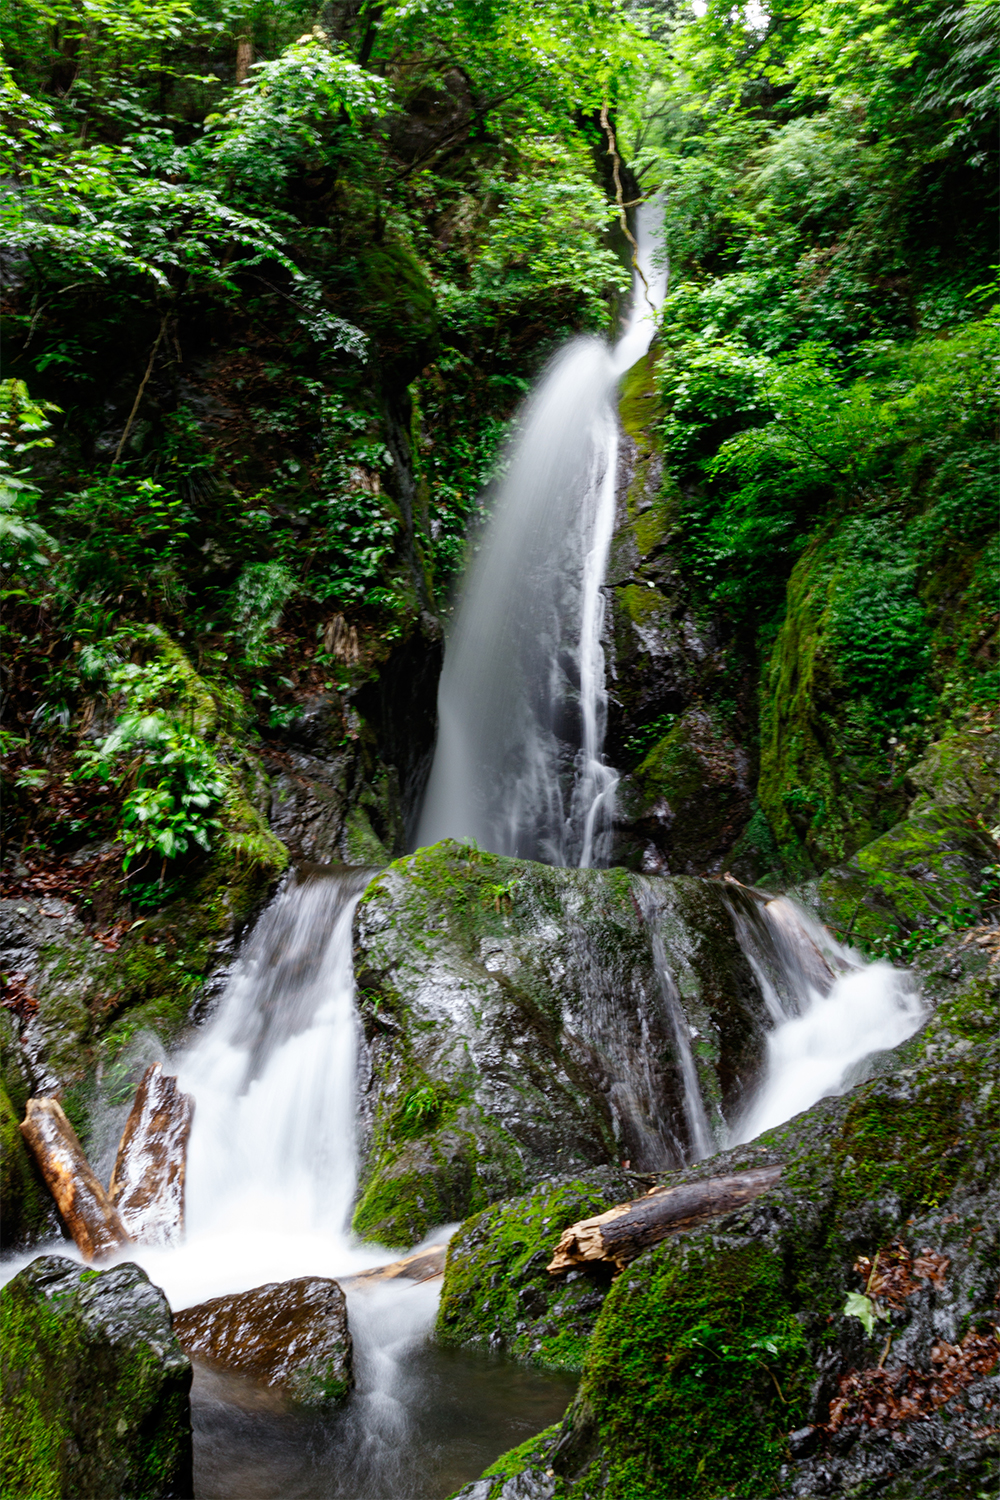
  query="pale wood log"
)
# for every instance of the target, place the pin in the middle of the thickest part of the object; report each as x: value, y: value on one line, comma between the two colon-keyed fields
x: 86, y: 1210
x: 623, y: 1232
x: 423, y: 1266
x: 147, y: 1184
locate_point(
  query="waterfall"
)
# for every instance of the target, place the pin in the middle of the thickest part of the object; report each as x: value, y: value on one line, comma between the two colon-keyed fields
x: 271, y: 1172
x: 522, y: 705
x: 831, y: 1012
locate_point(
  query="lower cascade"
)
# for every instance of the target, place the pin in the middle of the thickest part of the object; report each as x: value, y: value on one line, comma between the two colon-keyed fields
x: 289, y: 1071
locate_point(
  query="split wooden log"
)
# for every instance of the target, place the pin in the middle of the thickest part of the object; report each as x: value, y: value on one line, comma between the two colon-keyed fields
x: 623, y: 1232
x: 85, y: 1207
x: 147, y: 1184
x: 423, y: 1266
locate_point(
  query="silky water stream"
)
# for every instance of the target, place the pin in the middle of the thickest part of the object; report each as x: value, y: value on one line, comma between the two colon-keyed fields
x: 270, y: 1186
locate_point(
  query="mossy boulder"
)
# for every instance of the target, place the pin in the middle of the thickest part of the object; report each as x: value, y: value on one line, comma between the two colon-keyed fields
x: 926, y: 871
x: 725, y: 1362
x: 497, y: 1294
x: 961, y: 770
x: 523, y: 1021
x: 95, y: 1387
x: 686, y: 804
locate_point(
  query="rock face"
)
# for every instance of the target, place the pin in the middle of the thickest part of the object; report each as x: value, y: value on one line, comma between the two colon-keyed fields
x: 674, y: 727
x: 523, y: 1020
x: 95, y: 1386
x: 732, y: 1358
x: 147, y: 1184
x: 291, y: 1334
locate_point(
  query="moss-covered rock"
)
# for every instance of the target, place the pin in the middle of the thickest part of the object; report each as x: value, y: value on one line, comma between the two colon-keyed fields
x: 95, y: 1387
x: 523, y: 1021
x: 686, y: 803
x: 26, y: 1209
x: 961, y: 770
x: 878, y: 652
x: 719, y: 1358
x: 926, y: 870
x: 497, y: 1293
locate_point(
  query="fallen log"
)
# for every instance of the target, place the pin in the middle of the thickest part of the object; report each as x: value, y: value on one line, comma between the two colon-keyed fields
x: 147, y: 1184
x: 623, y: 1232
x: 423, y: 1266
x: 84, y: 1206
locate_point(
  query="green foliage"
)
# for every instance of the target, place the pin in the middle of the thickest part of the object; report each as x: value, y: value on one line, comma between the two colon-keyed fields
x: 261, y: 593
x: 172, y: 780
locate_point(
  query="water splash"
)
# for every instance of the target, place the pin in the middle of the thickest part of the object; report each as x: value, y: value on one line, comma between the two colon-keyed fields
x: 832, y: 1012
x: 522, y: 705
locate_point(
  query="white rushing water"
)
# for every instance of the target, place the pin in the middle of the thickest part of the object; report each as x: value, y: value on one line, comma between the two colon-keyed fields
x: 522, y: 704
x: 831, y: 1011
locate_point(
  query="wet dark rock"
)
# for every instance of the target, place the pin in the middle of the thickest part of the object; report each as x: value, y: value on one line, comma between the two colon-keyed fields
x: 308, y: 804
x: 725, y: 1360
x: 95, y: 1386
x: 522, y: 1020
x: 687, y: 793
x: 292, y: 1335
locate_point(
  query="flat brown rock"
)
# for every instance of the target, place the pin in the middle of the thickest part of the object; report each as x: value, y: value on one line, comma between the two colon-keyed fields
x: 291, y: 1335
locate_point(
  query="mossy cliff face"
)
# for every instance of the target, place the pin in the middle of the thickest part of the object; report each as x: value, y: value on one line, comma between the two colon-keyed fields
x: 723, y: 1363
x: 522, y: 1020
x: 674, y: 725
x: 868, y: 647
x: 95, y: 1387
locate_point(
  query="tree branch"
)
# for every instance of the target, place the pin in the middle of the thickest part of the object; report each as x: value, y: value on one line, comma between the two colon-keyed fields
x: 142, y: 387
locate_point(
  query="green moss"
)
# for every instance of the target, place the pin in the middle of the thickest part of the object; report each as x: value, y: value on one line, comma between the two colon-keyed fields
x: 25, y: 1204
x: 683, y: 1375
x: 525, y: 1456
x: 926, y: 870
x: 364, y: 847
x: 88, y: 1409
x: 497, y: 1292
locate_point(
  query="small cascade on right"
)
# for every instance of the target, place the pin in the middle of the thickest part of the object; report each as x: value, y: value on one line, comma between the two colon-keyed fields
x: 831, y: 1011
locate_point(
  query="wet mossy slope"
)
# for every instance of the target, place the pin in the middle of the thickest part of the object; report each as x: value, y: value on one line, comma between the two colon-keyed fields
x: 723, y: 1362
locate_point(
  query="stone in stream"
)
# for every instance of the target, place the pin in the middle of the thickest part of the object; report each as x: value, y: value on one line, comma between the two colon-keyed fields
x: 95, y: 1387
x: 292, y: 1335
x: 85, y: 1208
x: 147, y: 1184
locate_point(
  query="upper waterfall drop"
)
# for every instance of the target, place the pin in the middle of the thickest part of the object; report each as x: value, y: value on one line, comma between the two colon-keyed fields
x: 522, y: 706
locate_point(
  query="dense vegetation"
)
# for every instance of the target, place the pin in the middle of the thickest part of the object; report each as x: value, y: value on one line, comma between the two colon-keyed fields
x: 276, y: 279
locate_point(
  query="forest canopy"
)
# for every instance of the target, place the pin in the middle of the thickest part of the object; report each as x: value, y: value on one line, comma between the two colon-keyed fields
x: 278, y: 275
